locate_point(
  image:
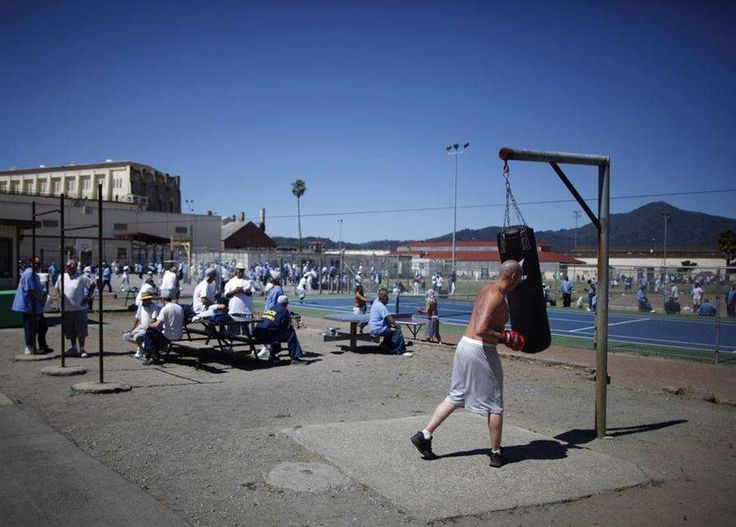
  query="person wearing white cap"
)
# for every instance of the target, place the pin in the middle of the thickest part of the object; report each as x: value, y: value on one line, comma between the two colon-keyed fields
x: 204, y: 293
x: 239, y: 293
x: 146, y: 287
x: 125, y: 279
x: 301, y: 288
x: 167, y: 326
x: 147, y: 311
x: 276, y: 328
x: 432, y: 328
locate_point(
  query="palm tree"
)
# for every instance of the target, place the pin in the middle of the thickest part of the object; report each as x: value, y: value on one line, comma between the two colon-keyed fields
x: 298, y: 188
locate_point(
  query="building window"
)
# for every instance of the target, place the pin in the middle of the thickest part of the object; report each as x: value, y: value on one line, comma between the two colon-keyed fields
x: 6, y: 257
x: 120, y: 226
x: 42, y: 187
x: 85, y: 184
x: 123, y: 253
x: 56, y: 186
x: 70, y: 185
x: 27, y: 186
x: 181, y: 230
x: 50, y: 223
x: 3, y: 186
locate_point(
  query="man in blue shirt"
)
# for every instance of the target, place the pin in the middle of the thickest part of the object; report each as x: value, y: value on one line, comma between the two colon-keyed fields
x: 707, y: 309
x: 566, y: 291
x: 106, y: 276
x: 641, y: 298
x: 731, y: 301
x: 30, y: 299
x: 382, y: 324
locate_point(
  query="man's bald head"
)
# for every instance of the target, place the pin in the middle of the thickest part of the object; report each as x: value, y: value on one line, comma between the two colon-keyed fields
x: 510, y: 273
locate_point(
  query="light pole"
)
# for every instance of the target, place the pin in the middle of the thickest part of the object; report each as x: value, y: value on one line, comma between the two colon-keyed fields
x: 455, y: 150
x: 190, y: 205
x: 339, y: 244
x: 666, y: 216
x: 576, y: 214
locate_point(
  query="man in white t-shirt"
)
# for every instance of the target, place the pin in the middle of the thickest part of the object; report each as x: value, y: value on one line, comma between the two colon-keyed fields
x: 147, y: 312
x: 167, y: 327
x: 169, y: 282
x: 204, y: 293
x: 79, y: 291
x: 239, y: 293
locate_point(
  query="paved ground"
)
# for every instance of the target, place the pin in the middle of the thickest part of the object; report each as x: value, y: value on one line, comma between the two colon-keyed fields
x: 326, y: 443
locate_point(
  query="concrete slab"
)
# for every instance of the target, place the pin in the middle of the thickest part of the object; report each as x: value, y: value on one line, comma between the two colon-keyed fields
x: 46, y: 480
x: 36, y: 357
x: 459, y: 483
x: 148, y: 377
x: 67, y: 371
x: 101, y: 387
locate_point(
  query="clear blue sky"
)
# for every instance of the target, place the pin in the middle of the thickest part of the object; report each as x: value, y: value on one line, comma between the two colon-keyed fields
x: 359, y: 100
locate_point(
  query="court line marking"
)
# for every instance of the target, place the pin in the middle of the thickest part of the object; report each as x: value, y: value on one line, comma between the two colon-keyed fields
x: 609, y: 325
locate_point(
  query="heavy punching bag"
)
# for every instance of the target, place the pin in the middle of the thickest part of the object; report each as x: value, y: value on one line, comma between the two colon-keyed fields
x: 527, y: 306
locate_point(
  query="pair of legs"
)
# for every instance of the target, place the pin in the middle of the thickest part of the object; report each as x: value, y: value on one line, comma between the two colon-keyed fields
x: 443, y: 411
x: 35, y: 328
x: 75, y: 327
x: 393, y: 340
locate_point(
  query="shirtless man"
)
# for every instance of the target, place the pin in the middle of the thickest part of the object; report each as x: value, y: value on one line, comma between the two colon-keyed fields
x: 477, y: 377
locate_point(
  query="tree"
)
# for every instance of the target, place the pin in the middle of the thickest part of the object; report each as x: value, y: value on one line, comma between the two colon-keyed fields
x: 727, y: 243
x: 298, y: 188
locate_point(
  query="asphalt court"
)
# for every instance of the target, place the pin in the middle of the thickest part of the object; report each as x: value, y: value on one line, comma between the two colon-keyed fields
x: 681, y: 331
x: 461, y: 482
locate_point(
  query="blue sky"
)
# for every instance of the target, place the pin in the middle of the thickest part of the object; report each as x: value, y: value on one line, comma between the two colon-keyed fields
x: 359, y: 99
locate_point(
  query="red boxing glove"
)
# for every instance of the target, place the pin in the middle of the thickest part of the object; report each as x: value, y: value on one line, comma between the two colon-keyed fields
x: 513, y: 339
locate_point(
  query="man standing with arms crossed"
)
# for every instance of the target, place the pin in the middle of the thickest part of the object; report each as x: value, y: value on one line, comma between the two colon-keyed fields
x: 477, y: 376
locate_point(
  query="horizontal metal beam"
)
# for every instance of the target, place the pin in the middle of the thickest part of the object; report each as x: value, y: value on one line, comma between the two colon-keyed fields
x: 508, y: 154
x: 79, y: 228
x: 46, y: 212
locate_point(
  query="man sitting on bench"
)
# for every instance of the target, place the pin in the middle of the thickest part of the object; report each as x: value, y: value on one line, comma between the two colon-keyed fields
x: 382, y: 324
x: 276, y: 328
x: 166, y: 328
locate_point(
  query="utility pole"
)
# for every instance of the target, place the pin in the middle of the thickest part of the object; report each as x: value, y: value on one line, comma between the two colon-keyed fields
x: 576, y: 214
x: 455, y: 150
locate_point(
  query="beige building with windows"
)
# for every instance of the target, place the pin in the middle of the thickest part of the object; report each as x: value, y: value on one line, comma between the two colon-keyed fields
x: 122, y: 181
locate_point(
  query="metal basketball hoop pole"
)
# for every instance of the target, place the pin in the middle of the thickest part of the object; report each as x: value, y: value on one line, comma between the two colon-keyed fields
x: 601, y: 221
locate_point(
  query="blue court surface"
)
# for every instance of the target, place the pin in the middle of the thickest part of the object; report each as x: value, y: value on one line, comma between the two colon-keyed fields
x: 684, y: 332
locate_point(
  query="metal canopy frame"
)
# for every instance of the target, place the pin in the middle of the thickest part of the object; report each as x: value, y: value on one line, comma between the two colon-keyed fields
x: 601, y: 221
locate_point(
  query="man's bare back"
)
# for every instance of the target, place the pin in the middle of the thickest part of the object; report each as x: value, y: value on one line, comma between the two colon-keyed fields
x: 490, y: 311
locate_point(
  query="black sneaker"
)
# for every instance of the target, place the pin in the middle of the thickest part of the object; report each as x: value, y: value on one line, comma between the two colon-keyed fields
x: 423, y: 445
x: 497, y: 459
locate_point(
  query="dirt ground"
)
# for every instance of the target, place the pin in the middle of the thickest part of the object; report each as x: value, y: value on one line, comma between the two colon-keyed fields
x: 202, y: 442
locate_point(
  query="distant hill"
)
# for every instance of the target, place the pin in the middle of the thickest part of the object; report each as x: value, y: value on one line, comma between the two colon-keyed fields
x: 638, y: 227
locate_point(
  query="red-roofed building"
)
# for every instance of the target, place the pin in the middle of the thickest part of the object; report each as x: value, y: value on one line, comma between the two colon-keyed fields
x: 474, y: 258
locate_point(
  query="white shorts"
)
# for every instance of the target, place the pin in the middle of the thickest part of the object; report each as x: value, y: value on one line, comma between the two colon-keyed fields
x: 477, y: 378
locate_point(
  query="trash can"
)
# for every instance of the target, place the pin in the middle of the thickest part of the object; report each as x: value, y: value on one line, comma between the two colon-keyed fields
x: 8, y: 317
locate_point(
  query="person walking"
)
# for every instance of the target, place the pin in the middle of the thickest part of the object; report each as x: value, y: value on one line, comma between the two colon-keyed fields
x: 477, y: 375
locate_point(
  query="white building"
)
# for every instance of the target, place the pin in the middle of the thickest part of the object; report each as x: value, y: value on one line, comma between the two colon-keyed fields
x: 129, y: 233
x: 122, y: 181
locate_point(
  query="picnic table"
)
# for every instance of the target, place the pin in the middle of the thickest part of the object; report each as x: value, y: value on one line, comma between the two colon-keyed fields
x: 220, y: 329
x: 408, y: 320
x: 413, y: 323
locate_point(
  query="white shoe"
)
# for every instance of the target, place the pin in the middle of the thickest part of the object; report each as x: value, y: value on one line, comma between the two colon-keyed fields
x: 139, y: 354
x: 264, y: 353
x: 30, y: 350
x: 407, y: 354
x: 83, y: 353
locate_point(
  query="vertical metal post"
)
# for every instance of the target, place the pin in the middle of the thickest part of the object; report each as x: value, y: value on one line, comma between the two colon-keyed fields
x: 33, y: 231
x: 99, y: 277
x: 602, y: 301
x: 62, y: 264
x: 454, y: 214
x: 718, y: 316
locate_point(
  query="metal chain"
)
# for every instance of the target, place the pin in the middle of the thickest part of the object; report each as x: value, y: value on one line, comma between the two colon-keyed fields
x: 510, y: 199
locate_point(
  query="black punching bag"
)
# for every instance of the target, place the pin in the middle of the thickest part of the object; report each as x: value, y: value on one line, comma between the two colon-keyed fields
x: 527, y: 307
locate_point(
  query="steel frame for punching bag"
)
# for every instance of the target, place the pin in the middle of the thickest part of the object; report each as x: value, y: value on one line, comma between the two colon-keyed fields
x: 601, y: 222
